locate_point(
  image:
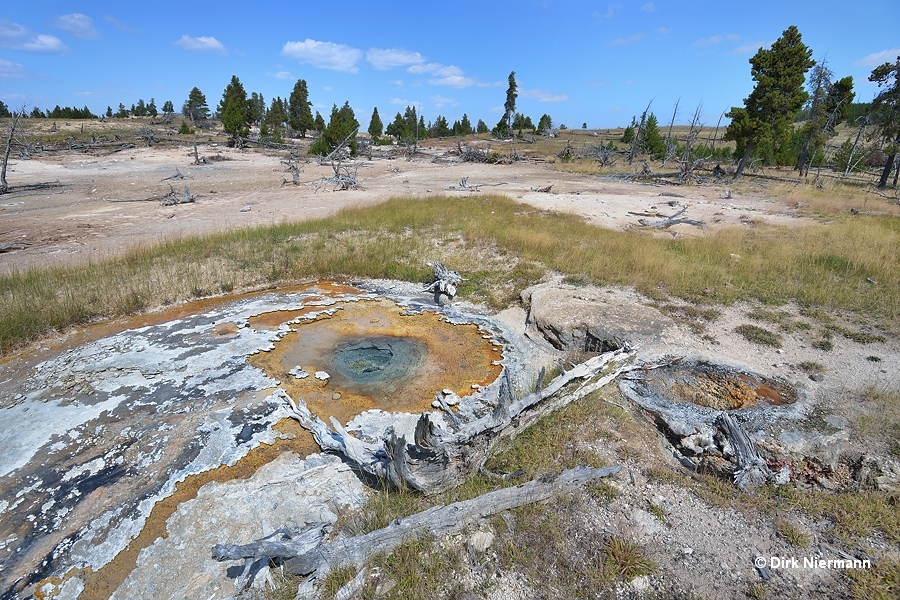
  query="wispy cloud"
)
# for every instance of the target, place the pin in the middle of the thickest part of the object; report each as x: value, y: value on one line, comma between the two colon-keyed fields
x: 202, y: 43
x: 10, y: 69
x: 716, y: 39
x: 442, y: 101
x: 79, y: 25
x: 610, y: 13
x: 750, y: 47
x: 17, y: 37
x: 878, y: 58
x: 449, y: 75
x: 401, y: 102
x: 324, y: 55
x: 280, y: 75
x: 648, y: 7
x: 664, y: 30
x: 383, y: 59
x: 629, y: 40
x: 543, y: 95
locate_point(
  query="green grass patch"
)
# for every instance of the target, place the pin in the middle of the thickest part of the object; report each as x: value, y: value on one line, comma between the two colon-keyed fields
x: 759, y: 335
x: 495, y: 235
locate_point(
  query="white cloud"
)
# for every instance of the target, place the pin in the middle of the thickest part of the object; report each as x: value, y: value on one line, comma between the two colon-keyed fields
x: 10, y: 69
x: 750, y: 48
x: 324, y: 55
x: 79, y: 25
x: 451, y: 75
x: 629, y: 40
x: 17, y: 37
x: 281, y: 75
x: 390, y: 58
x: 45, y: 43
x: 397, y: 82
x: 879, y: 58
x: 401, y: 102
x: 717, y: 39
x: 202, y: 43
x: 543, y: 95
x: 648, y: 7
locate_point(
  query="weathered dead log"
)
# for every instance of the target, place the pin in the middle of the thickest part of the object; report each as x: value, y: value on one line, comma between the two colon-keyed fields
x: 446, y: 282
x: 673, y: 220
x: 437, y: 459
x: 305, y: 553
x: 750, y: 469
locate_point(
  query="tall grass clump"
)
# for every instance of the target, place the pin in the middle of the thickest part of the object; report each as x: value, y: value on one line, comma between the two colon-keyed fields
x: 849, y: 265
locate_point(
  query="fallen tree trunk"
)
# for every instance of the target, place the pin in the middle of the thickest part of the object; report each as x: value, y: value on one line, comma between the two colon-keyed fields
x: 673, y: 220
x: 305, y: 553
x: 439, y: 459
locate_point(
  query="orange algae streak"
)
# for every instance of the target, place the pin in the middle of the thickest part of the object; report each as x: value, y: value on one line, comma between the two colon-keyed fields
x: 102, y: 584
x: 446, y: 356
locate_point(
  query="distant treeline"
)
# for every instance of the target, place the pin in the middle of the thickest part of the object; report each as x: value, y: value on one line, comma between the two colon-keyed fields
x: 66, y: 112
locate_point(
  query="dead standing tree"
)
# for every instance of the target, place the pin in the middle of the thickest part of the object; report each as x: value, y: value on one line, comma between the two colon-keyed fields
x: 10, y: 140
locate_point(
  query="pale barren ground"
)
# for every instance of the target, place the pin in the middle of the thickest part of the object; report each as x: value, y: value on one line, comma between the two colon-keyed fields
x: 107, y: 205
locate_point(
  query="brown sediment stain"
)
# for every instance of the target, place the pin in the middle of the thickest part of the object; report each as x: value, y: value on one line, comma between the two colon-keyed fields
x: 101, y: 584
x: 720, y: 389
x: 453, y: 357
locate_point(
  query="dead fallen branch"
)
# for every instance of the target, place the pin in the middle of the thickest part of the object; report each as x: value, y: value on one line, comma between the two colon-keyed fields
x: 439, y: 459
x: 172, y: 198
x: 305, y: 552
x: 446, y: 282
x: 673, y: 220
x: 465, y: 186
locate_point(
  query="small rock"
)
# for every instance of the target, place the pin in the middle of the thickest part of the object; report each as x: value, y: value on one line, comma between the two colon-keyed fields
x: 481, y: 541
x: 435, y: 404
x: 336, y: 396
x: 322, y: 375
x: 816, y: 376
x: 298, y: 372
x: 245, y: 208
x: 687, y: 551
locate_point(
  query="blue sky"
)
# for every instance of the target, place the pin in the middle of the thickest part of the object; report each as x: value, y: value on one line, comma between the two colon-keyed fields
x: 578, y: 61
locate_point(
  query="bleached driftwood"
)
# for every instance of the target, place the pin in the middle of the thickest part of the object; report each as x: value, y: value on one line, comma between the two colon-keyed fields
x: 438, y: 459
x: 750, y: 470
x: 446, y: 282
x: 673, y: 220
x: 305, y: 552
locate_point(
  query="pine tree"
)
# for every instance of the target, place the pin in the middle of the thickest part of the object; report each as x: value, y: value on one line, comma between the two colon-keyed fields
x: 481, y: 127
x: 109, y: 112
x: 234, y: 110
x: 545, y: 123
x: 299, y: 112
x: 770, y: 108
x: 151, y: 108
x: 320, y: 122
x: 652, y: 140
x: 887, y: 106
x: 168, y: 107
x: 341, y: 126
x: 829, y: 104
x: 465, y: 126
x: 376, y: 127
x: 257, y: 108
x: 195, y: 107
x: 4, y: 111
